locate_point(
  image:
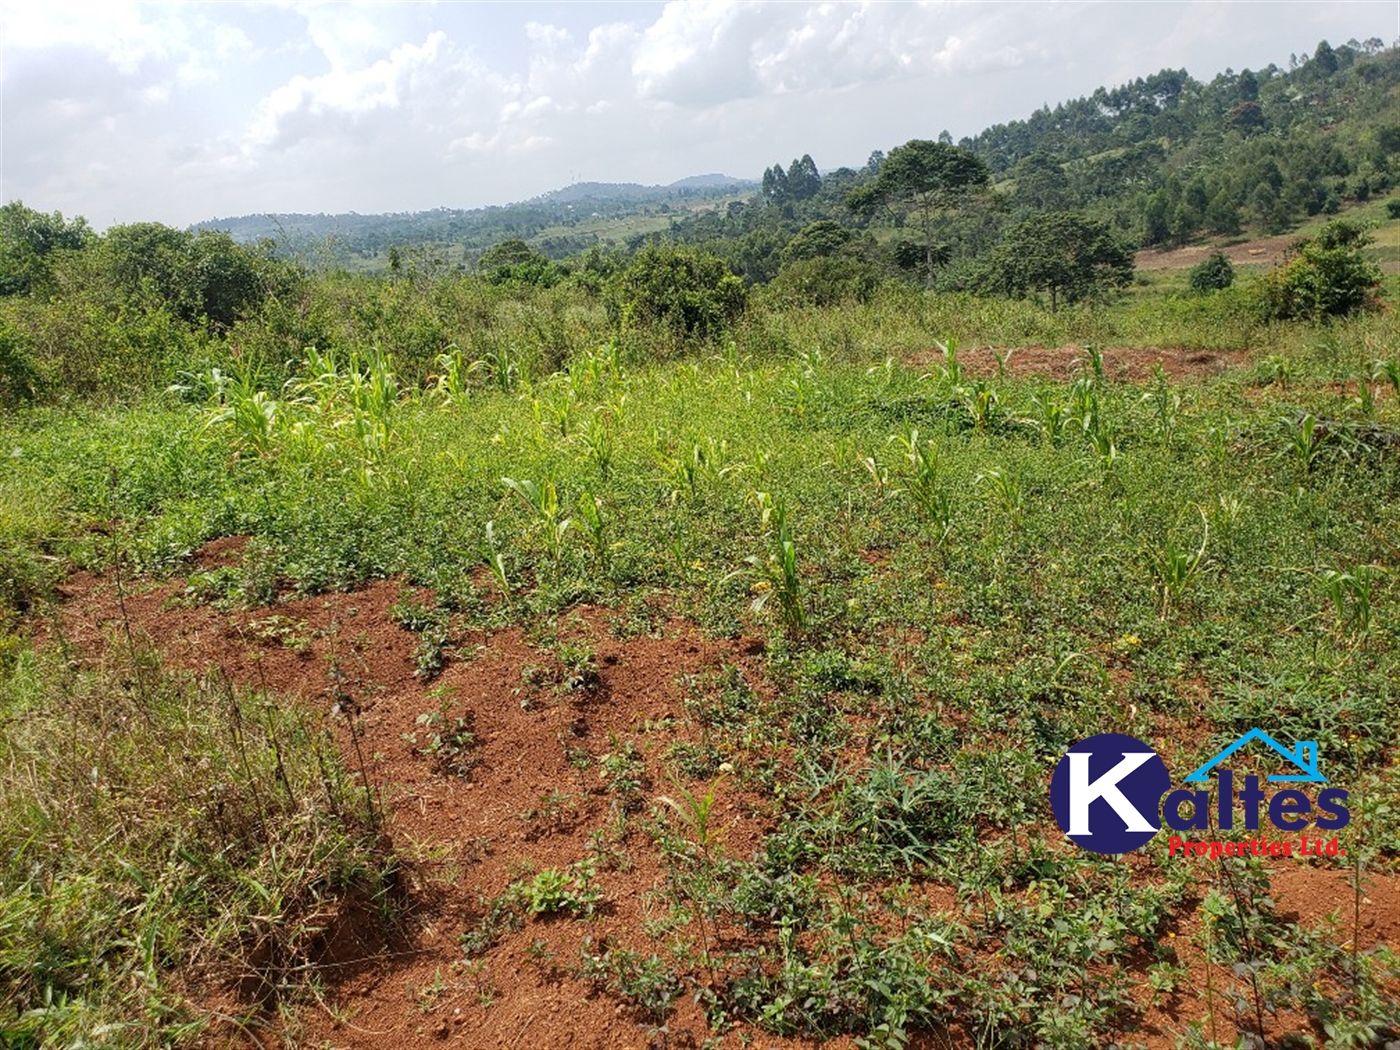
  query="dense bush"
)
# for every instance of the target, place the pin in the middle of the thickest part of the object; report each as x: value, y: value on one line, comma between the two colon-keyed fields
x: 691, y: 293
x: 824, y: 280
x: 1212, y: 274
x: 1325, y: 276
x: 515, y: 262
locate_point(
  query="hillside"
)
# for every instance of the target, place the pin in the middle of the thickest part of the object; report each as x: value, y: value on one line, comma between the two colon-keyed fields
x: 562, y: 222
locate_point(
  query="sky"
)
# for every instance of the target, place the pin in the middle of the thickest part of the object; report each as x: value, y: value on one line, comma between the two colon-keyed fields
x: 125, y: 112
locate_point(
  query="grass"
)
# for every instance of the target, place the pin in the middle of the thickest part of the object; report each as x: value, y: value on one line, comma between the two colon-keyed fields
x: 138, y: 809
x: 955, y: 579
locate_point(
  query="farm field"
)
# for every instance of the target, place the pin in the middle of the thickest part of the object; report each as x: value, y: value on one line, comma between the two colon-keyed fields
x: 709, y: 701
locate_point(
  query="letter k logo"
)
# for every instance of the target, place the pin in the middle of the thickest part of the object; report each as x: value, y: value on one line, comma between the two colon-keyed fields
x: 1083, y: 791
x: 1107, y: 791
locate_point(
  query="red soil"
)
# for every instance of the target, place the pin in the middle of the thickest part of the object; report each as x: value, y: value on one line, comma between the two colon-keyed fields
x: 1064, y: 363
x: 468, y: 838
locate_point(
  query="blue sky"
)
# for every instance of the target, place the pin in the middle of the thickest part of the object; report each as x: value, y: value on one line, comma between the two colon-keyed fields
x: 179, y: 112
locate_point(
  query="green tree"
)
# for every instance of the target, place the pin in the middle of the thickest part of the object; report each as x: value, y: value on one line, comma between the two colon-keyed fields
x: 924, y: 177
x: 1325, y: 276
x: 201, y: 277
x: 28, y: 238
x: 1065, y: 254
x: 818, y: 239
x: 803, y: 179
x: 692, y: 293
x: 515, y: 262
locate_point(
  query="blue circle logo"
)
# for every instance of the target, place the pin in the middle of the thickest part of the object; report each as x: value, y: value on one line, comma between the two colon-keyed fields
x: 1107, y: 791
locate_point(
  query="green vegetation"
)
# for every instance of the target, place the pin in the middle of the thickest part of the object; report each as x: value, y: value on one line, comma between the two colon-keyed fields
x: 164, y: 836
x: 944, y: 569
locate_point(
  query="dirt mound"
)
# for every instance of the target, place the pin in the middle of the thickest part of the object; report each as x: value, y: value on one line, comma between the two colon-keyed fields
x: 1065, y: 363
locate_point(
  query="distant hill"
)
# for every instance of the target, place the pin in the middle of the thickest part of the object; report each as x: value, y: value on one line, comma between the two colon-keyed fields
x: 562, y: 222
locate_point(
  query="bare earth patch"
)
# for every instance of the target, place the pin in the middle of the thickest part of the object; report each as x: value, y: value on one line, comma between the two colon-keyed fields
x: 533, y: 796
x: 1264, y: 251
x: 1064, y: 363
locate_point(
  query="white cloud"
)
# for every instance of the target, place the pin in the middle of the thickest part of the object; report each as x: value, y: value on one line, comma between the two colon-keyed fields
x: 292, y: 112
x: 128, y: 35
x: 181, y: 111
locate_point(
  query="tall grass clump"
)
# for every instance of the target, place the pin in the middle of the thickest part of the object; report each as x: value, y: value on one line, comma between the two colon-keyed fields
x: 165, y: 842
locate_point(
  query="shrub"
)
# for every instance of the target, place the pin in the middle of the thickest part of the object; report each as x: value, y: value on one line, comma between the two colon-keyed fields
x: 1392, y: 208
x: 515, y: 262
x: 1326, y: 276
x: 825, y: 281
x: 692, y: 293
x: 1212, y: 274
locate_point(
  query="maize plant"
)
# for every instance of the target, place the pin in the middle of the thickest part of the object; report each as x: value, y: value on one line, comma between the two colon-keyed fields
x: 1172, y: 568
x: 594, y: 527
x: 453, y: 383
x: 776, y: 574
x: 980, y: 400
x: 1305, y: 440
x: 542, y: 498
x: 1052, y: 418
x: 1351, y: 593
x: 254, y: 416
x: 925, y: 486
x: 1388, y: 372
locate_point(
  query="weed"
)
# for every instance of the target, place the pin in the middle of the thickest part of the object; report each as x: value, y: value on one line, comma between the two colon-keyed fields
x: 649, y: 982
x: 448, y: 740
x: 554, y: 891
x: 624, y: 770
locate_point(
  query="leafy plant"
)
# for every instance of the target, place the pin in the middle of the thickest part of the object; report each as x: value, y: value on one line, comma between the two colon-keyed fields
x: 554, y: 891
x: 1173, y: 568
x: 449, y: 741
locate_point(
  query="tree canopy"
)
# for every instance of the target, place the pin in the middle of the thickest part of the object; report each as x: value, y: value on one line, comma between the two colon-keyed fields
x: 1066, y: 254
x: 923, y: 176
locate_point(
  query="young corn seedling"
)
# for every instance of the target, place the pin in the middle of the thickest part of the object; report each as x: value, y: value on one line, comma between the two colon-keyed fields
x: 1305, y: 441
x: 254, y: 416
x: 980, y: 400
x: 503, y: 368
x: 1084, y: 404
x: 1166, y: 403
x: 1096, y: 365
x: 1351, y: 593
x: 455, y: 374
x: 543, y: 500
x: 696, y: 813
x: 599, y: 444
x: 1052, y: 418
x: 494, y: 560
x: 1365, y: 398
x: 951, y: 369
x: 593, y: 527
x: 879, y: 474
x: 1387, y: 372
x: 1006, y: 490
x: 1104, y: 447
x: 924, y: 485
x: 777, y: 573
x: 1173, y: 568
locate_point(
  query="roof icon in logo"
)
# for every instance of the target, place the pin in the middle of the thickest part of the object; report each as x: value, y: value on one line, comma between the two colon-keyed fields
x: 1303, y: 755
